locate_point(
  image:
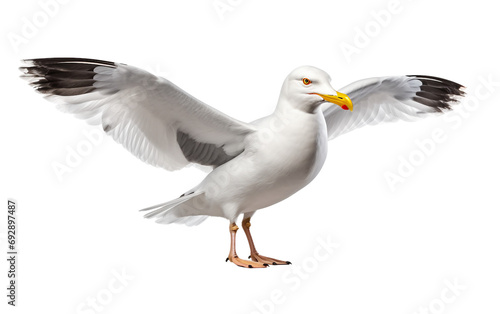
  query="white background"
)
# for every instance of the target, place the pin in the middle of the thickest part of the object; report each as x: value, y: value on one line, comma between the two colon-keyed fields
x: 398, y: 247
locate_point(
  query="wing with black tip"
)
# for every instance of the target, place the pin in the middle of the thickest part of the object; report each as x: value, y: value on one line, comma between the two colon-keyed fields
x: 153, y: 118
x: 384, y: 99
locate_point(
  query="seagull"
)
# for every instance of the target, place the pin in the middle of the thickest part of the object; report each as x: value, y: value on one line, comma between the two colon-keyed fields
x: 253, y: 165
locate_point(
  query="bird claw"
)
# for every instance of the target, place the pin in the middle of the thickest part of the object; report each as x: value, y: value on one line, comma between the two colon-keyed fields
x: 247, y: 264
x: 268, y: 260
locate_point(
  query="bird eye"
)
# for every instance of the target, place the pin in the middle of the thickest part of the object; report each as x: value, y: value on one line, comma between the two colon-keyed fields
x: 306, y: 81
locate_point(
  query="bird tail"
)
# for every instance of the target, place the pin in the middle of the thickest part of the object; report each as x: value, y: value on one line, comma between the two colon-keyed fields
x: 180, y: 210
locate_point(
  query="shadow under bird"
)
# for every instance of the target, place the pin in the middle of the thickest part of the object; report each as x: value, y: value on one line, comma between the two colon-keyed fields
x: 254, y: 165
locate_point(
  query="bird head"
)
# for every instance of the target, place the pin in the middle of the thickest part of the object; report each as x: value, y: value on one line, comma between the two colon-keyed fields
x: 307, y: 87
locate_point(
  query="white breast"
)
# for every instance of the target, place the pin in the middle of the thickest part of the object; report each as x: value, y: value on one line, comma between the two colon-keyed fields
x: 283, y: 157
x: 296, y: 149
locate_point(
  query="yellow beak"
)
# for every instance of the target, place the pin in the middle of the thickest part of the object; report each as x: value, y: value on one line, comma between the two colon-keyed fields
x: 341, y: 99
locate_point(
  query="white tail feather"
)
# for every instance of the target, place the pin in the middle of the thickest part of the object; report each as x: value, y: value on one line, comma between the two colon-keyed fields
x: 175, y: 211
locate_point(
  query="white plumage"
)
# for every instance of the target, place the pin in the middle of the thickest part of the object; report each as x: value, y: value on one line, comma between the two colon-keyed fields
x: 256, y: 164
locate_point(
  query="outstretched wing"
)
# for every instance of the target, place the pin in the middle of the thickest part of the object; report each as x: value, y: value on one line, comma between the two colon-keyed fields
x: 154, y: 119
x: 392, y: 98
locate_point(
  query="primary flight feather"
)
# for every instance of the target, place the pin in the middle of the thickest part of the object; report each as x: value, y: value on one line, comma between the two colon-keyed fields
x: 255, y: 164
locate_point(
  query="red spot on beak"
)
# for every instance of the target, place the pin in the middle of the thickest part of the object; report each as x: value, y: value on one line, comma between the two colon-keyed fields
x: 345, y: 107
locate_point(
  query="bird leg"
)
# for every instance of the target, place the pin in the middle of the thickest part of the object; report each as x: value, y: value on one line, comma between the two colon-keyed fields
x: 233, y: 257
x: 253, y: 252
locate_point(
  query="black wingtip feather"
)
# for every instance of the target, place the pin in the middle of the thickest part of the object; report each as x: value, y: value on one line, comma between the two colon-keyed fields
x: 49, y: 83
x: 62, y: 76
x: 65, y: 91
x: 437, y: 93
x: 51, y: 61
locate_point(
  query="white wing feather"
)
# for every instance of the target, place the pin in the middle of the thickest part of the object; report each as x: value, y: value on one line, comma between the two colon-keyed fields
x: 141, y: 111
x: 386, y: 99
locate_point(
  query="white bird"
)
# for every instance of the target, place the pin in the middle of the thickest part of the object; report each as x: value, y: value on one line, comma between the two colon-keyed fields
x: 255, y: 165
